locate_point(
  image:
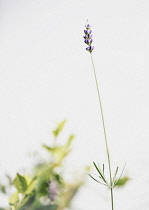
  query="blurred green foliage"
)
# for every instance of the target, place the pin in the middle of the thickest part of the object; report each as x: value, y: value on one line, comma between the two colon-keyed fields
x: 46, y: 188
x: 122, y: 181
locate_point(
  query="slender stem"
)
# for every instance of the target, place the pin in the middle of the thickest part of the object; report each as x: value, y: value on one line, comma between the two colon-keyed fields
x: 112, y: 203
x: 105, y: 136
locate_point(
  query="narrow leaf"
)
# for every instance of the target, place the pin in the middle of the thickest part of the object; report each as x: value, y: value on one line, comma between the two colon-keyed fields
x: 59, y: 128
x: 97, y: 180
x: 103, y: 168
x: 115, y: 174
x: 99, y: 172
x: 50, y: 149
x: 120, y: 175
x: 71, y: 137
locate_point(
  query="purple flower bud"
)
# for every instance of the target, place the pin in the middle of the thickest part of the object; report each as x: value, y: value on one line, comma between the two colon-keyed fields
x: 88, y: 26
x: 85, y: 37
x: 86, y: 41
x: 86, y: 31
x: 89, y: 31
x: 53, y: 190
x: 90, y: 42
x: 89, y: 36
x: 90, y: 48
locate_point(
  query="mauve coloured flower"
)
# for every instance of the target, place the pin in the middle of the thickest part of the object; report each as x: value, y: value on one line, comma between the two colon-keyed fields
x: 90, y: 48
x: 91, y: 41
x: 86, y: 31
x: 88, y: 26
x: 88, y: 42
x: 89, y: 31
x: 53, y: 190
x: 88, y: 38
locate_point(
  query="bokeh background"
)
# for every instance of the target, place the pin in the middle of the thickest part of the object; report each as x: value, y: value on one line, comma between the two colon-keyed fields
x: 46, y: 76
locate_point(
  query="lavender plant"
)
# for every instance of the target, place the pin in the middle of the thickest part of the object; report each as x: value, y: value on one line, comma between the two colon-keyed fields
x: 113, y: 180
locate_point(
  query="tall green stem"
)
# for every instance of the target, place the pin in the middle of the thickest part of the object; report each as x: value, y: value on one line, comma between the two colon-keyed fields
x: 105, y: 136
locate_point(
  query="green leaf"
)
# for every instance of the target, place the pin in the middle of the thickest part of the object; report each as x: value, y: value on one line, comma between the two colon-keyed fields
x: 30, y: 184
x: 14, y: 199
x: 58, y: 178
x: 120, y: 175
x: 26, y: 202
x: 42, y: 186
x: 3, y: 189
x: 20, y: 183
x: 97, y: 180
x: 49, y: 149
x: 103, y: 168
x: 122, y: 181
x: 114, y: 178
x: 71, y: 137
x: 59, y: 128
x: 100, y: 173
x: 53, y: 150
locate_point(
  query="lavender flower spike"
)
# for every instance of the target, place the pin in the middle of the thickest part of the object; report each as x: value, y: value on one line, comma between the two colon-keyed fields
x: 88, y: 38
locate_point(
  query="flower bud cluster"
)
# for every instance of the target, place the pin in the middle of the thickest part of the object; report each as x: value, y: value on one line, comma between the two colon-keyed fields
x: 88, y: 38
x: 53, y: 190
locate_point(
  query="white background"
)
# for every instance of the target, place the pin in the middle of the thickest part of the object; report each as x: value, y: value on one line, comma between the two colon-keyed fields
x: 46, y: 76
